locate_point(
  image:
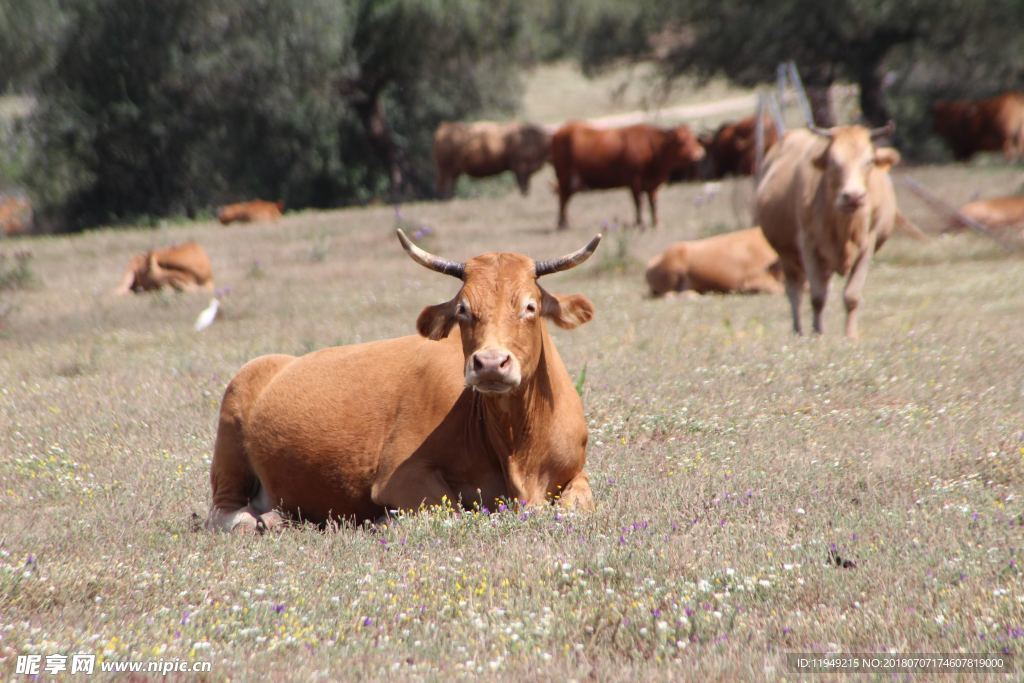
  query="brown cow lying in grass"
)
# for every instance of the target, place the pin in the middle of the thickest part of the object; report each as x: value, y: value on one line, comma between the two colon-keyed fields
x: 487, y: 148
x: 477, y: 407
x: 1002, y: 214
x: 15, y: 216
x: 256, y: 211
x: 740, y: 261
x: 826, y: 204
x: 183, y: 267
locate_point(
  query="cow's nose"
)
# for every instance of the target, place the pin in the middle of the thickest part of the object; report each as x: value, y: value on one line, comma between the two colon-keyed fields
x: 492, y: 364
x: 853, y: 199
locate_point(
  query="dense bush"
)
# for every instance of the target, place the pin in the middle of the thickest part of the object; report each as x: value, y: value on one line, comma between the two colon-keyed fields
x: 166, y: 108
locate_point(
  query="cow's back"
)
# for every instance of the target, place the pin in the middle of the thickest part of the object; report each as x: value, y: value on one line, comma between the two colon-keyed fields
x: 187, y: 257
x: 998, y: 212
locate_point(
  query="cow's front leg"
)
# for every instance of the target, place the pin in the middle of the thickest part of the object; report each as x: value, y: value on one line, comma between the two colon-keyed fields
x: 795, y: 280
x: 637, y: 197
x: 818, y: 278
x: 652, y: 200
x: 854, y: 287
x: 412, y: 488
x: 576, y: 495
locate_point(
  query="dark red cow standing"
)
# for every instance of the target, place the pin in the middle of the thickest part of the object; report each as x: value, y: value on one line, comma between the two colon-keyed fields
x: 995, y: 124
x: 732, y: 150
x: 639, y: 157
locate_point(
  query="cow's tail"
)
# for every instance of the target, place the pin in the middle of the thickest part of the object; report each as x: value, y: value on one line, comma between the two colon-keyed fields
x: 909, y: 228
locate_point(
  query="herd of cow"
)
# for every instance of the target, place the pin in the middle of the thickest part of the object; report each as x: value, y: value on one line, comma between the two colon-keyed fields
x: 478, y: 406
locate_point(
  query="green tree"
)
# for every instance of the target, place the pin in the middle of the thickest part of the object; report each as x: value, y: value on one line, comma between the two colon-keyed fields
x: 155, y: 109
x: 856, y: 40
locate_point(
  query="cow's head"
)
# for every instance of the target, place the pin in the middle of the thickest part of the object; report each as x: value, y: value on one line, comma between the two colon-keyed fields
x: 685, y: 147
x: 849, y: 159
x: 499, y: 310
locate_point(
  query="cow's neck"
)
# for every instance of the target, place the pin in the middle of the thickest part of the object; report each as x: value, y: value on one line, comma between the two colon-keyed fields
x: 848, y: 232
x: 525, y: 431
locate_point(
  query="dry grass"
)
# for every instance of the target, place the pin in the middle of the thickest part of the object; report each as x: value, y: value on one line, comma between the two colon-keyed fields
x: 727, y: 459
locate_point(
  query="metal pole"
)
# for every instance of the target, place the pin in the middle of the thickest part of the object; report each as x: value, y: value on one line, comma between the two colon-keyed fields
x: 801, y: 94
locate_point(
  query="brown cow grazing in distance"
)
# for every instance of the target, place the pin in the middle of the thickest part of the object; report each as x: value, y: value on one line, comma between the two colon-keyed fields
x: 826, y: 204
x: 999, y: 213
x: 477, y: 407
x: 638, y: 157
x: 184, y: 267
x: 487, y: 148
x: 15, y: 216
x: 740, y: 261
x: 256, y: 211
x: 995, y: 124
x: 732, y: 150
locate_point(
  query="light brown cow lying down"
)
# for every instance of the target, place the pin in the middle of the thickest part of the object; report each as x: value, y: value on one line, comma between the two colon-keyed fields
x: 740, y: 261
x: 998, y: 213
x: 183, y: 267
x: 477, y: 406
x: 256, y: 211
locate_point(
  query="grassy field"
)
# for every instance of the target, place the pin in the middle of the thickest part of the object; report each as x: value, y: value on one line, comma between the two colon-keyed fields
x: 732, y: 463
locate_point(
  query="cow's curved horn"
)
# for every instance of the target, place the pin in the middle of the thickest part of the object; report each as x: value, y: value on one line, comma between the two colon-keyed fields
x: 823, y: 132
x: 425, y: 258
x: 885, y: 131
x: 568, y: 261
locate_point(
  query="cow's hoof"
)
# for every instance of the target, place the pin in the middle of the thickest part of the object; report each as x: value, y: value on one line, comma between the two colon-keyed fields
x: 247, y: 526
x: 271, y: 521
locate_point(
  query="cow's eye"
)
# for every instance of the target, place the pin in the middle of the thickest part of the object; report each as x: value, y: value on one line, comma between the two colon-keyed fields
x: 462, y: 311
x: 530, y: 309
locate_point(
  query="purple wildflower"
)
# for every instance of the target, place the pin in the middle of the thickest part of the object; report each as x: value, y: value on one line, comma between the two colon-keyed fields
x: 279, y: 608
x: 367, y: 621
x: 655, y: 612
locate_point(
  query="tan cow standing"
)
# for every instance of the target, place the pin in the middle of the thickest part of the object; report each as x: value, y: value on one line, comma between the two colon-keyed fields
x: 478, y: 406
x: 740, y: 261
x: 826, y: 204
x: 487, y: 148
x: 183, y: 267
x: 255, y: 211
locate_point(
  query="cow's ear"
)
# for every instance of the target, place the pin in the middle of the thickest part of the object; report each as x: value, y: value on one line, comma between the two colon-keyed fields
x: 821, y: 160
x: 566, y: 311
x: 886, y: 158
x: 435, y: 322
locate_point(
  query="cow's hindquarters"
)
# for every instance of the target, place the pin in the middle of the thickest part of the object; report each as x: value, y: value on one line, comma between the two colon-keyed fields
x: 239, y: 500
